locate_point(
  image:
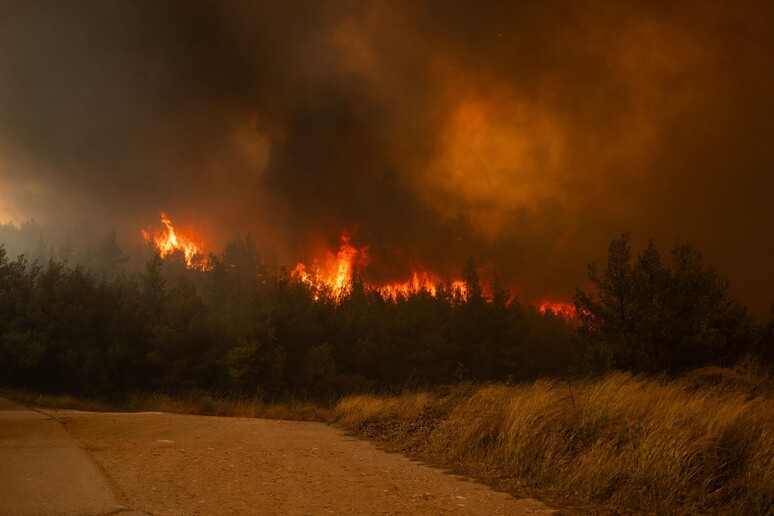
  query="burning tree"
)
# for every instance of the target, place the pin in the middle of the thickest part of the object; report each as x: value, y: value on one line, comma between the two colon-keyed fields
x: 168, y: 241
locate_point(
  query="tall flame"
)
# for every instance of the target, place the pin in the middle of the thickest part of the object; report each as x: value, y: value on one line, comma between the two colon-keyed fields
x: 336, y: 272
x: 168, y: 241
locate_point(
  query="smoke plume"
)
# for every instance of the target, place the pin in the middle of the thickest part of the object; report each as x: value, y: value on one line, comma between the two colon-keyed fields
x: 527, y: 134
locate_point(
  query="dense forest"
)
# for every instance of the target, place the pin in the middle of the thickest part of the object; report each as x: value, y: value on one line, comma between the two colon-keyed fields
x: 247, y: 327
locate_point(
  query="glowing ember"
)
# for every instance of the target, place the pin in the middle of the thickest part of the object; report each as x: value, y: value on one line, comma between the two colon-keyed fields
x: 566, y: 310
x: 168, y: 241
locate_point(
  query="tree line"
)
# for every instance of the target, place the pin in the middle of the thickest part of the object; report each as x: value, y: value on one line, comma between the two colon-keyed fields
x: 647, y: 316
x: 246, y: 327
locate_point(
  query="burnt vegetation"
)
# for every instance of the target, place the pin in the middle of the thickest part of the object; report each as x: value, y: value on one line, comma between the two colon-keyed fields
x: 245, y: 327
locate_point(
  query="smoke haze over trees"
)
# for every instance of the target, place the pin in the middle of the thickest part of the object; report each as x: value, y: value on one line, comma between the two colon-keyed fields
x: 524, y: 134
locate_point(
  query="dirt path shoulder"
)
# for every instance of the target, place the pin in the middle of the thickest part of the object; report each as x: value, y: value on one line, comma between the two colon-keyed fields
x: 174, y: 464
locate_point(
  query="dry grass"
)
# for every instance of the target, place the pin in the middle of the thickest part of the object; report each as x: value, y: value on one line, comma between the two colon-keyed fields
x: 704, y: 443
x: 196, y: 403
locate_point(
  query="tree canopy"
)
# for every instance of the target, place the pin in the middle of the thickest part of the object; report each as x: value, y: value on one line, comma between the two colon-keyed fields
x: 648, y: 316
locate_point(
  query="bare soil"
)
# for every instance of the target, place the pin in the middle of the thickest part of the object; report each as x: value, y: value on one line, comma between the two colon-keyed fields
x: 161, y: 463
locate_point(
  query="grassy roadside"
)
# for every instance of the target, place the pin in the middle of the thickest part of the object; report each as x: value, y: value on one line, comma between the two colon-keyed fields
x: 702, y: 443
x: 201, y: 404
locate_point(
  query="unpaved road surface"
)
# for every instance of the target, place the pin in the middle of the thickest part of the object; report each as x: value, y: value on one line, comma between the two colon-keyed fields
x: 161, y: 464
x: 44, y: 471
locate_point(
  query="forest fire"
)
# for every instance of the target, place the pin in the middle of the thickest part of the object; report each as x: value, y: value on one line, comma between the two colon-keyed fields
x: 337, y: 271
x: 334, y: 274
x: 561, y: 309
x: 420, y: 281
x: 168, y: 241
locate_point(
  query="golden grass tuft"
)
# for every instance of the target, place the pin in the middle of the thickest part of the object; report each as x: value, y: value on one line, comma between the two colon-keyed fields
x: 647, y: 445
x: 363, y: 408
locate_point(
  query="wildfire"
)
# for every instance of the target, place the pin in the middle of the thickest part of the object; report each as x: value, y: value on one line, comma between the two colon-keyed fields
x: 168, y: 241
x: 419, y: 281
x: 337, y: 270
x: 566, y: 310
x: 335, y: 274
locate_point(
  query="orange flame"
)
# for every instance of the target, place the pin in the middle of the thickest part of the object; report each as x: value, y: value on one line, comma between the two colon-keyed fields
x: 168, y: 241
x: 334, y: 274
x: 565, y: 310
x: 338, y: 270
x: 420, y: 280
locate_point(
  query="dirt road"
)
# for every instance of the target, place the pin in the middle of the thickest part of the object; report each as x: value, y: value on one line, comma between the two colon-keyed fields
x: 44, y: 471
x: 172, y: 464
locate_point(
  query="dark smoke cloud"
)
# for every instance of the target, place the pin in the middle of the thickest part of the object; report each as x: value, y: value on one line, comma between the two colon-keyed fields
x: 525, y: 133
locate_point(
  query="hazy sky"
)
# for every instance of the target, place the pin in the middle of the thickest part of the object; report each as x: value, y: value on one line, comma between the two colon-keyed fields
x: 525, y: 133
